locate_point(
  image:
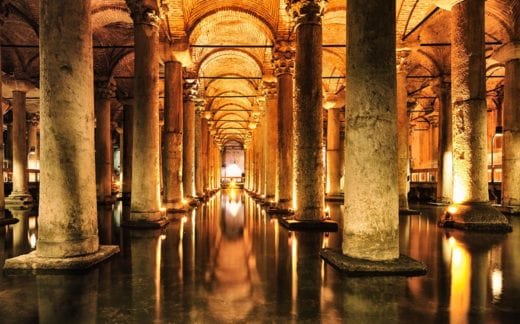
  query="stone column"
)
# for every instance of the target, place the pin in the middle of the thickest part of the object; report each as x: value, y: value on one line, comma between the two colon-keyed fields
x: 468, y: 95
x: 283, y: 58
x: 2, y: 192
x: 333, y: 153
x: 188, y: 138
x: 199, y: 159
x: 105, y: 91
x: 204, y: 148
x: 67, y: 221
x: 33, y: 160
x: 172, y: 148
x: 128, y: 138
x: 271, y: 141
x: 259, y: 141
x: 146, y: 198
x: 442, y: 89
x: 403, y: 127
x: 20, y: 195
x: 308, y: 124
x: 371, y: 191
x: 509, y: 54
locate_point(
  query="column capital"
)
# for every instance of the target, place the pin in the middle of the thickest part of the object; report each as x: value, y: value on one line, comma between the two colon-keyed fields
x: 403, y: 61
x: 191, y: 89
x: 447, y: 4
x: 269, y: 89
x: 305, y: 10
x: 507, y: 52
x: 283, y: 57
x: 18, y: 83
x: 105, y: 89
x: 4, y: 10
x: 200, y: 106
x: 144, y: 12
x: 33, y: 119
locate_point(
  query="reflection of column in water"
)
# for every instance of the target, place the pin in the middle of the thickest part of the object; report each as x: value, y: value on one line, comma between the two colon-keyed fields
x: 307, y: 274
x: 336, y: 214
x: 146, y: 273
x: 105, y: 221
x: 373, y: 299
x: 21, y: 242
x: 68, y: 298
x: 3, y: 238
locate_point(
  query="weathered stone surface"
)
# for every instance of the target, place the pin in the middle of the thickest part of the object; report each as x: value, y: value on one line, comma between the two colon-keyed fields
x: 34, y: 262
x: 475, y: 217
x: 333, y: 154
x: 188, y: 139
x: 401, y: 266
x: 322, y: 225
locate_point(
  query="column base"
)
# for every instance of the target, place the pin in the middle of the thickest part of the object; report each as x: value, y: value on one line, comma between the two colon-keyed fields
x: 319, y: 225
x: 511, y: 210
x: 148, y: 220
x: 439, y: 203
x: 403, y: 266
x: 19, y: 200
x: 338, y: 197
x: 279, y: 210
x: 408, y: 212
x: 475, y: 217
x: 33, y: 263
x: 8, y: 221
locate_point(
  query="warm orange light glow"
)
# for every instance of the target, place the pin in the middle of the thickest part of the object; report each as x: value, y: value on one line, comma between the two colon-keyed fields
x: 460, y: 283
x: 452, y: 210
x: 496, y: 284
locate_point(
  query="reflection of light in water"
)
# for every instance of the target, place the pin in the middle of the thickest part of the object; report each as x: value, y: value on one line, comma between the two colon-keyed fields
x: 293, y: 243
x: 460, y: 283
x: 158, y: 279
x: 31, y: 233
x: 163, y: 237
x: 496, y: 284
x: 32, y: 241
x: 233, y: 208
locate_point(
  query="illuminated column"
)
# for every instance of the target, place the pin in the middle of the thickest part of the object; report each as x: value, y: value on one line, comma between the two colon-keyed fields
x: 509, y: 54
x: 371, y: 191
x: 260, y: 178
x: 283, y: 58
x: 188, y: 137
x: 204, y: 148
x: 105, y: 91
x: 271, y: 141
x: 128, y: 121
x: 2, y: 190
x: 442, y: 89
x: 173, y: 130
x: 33, y: 158
x: 67, y: 221
x: 199, y: 189
x: 146, y: 198
x: 333, y: 153
x: 20, y: 195
x: 468, y: 95
x: 403, y: 127
x: 308, y: 125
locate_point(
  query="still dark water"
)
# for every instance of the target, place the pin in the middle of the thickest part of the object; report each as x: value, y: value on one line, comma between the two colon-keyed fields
x: 229, y: 262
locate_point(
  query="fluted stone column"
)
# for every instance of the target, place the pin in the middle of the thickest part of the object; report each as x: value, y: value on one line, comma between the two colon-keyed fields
x: 333, y: 152
x: 188, y: 138
x: 199, y: 159
x: 67, y: 221
x: 173, y: 130
x: 20, y: 195
x: 271, y: 141
x: 472, y: 209
x: 371, y: 191
x: 105, y: 91
x: 442, y: 89
x: 403, y: 127
x: 509, y: 54
x: 308, y: 125
x: 146, y: 199
x: 128, y: 138
x: 283, y: 58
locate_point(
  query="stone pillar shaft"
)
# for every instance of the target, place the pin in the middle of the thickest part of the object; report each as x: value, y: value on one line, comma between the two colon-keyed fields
x: 285, y: 140
x: 2, y: 192
x: 470, y: 178
x: 173, y: 138
x: 371, y: 219
x: 199, y: 189
x: 20, y: 179
x: 511, y: 135
x: 271, y: 146
x: 103, y: 150
x: 403, y: 127
x: 445, y: 155
x: 188, y: 156
x: 146, y: 199
x: 67, y: 221
x: 128, y: 116
x: 333, y: 152
x: 204, y: 148
x: 308, y: 125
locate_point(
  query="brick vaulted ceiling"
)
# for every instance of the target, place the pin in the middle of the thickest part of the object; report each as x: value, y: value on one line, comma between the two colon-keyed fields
x: 237, y: 24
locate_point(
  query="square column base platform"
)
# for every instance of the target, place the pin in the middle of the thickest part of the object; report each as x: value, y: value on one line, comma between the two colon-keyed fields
x: 510, y: 210
x: 335, y: 198
x: 321, y: 225
x: 279, y: 211
x: 409, y: 212
x: 18, y: 200
x: 481, y: 217
x: 403, y: 266
x: 31, y: 262
x: 145, y: 224
x: 8, y: 221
